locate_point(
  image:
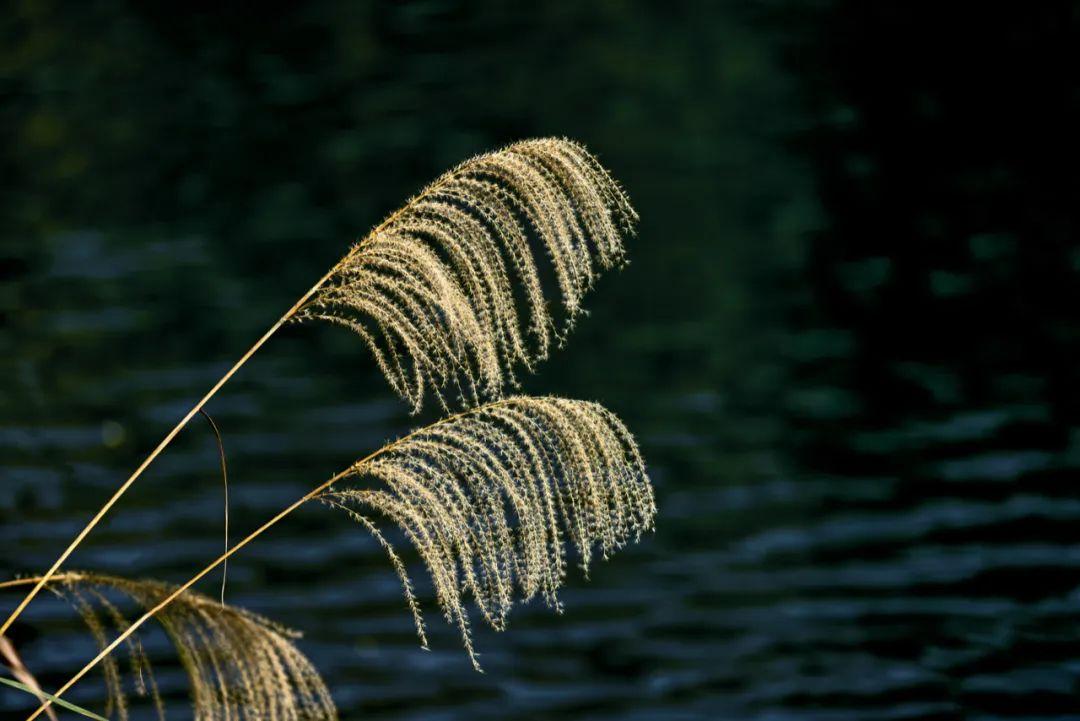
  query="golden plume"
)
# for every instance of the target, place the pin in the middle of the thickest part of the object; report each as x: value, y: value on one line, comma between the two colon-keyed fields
x: 240, y: 665
x: 430, y: 288
x: 567, y: 469
x: 488, y: 497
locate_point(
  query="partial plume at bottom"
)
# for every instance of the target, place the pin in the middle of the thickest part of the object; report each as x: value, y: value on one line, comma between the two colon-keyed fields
x: 240, y: 665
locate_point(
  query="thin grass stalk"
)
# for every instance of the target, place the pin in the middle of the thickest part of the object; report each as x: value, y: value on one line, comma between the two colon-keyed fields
x: 225, y: 481
x: 179, y: 427
x: 310, y: 495
x: 157, y: 451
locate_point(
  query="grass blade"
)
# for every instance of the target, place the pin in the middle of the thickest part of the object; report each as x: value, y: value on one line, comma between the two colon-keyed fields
x: 58, y: 701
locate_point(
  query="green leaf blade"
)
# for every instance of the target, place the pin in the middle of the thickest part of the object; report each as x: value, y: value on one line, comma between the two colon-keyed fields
x: 58, y: 701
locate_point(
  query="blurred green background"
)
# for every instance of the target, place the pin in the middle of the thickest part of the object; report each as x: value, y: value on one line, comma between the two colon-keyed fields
x: 846, y: 339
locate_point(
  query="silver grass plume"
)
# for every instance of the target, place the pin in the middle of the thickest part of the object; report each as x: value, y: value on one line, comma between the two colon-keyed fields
x: 240, y: 665
x: 447, y: 292
x: 488, y: 498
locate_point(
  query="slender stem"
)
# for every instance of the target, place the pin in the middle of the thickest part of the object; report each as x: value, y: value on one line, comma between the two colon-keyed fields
x: 22, y: 674
x: 210, y: 394
x: 15, y: 582
x: 154, y: 454
x: 180, y: 589
x: 225, y: 481
x: 251, y: 537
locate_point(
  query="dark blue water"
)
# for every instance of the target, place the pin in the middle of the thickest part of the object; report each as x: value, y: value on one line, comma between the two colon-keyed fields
x: 846, y: 341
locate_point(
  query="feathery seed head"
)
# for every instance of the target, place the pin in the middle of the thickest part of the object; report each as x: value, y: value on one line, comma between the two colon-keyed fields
x: 488, y: 496
x: 434, y: 291
x: 240, y: 665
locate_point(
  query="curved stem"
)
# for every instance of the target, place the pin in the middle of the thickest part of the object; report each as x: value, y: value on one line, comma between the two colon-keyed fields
x: 223, y: 557
x: 157, y: 451
x: 179, y: 590
x: 225, y: 481
x: 15, y: 582
x: 210, y: 394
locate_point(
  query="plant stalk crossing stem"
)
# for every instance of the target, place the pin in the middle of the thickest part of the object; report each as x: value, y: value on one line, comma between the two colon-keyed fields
x: 224, y: 557
x: 157, y: 451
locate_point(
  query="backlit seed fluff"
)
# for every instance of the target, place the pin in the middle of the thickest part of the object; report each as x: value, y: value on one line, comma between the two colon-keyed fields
x: 447, y: 292
x: 489, y: 497
x: 240, y: 665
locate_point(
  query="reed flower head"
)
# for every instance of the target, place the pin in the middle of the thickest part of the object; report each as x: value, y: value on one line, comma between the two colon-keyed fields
x: 490, y: 496
x: 447, y: 292
x: 240, y: 665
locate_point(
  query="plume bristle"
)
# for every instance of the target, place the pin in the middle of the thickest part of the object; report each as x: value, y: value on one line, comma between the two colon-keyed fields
x: 239, y: 664
x: 486, y: 497
x: 431, y: 291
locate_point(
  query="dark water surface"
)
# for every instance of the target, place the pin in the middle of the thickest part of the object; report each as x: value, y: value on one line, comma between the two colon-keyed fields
x: 846, y: 341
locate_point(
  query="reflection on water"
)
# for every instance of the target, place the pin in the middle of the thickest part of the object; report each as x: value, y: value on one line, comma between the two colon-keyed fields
x: 846, y: 343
